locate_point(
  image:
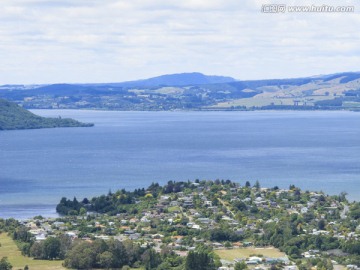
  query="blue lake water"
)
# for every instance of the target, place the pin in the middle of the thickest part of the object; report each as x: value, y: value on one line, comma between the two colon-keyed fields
x: 313, y: 150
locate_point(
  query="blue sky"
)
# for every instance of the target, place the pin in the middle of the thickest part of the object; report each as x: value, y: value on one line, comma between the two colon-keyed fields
x: 117, y: 40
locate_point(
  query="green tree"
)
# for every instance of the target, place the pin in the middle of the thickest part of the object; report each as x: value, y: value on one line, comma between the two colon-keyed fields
x: 294, y: 252
x: 82, y: 211
x: 22, y: 234
x: 52, y: 248
x: 106, y: 259
x: 36, y: 250
x: 240, y: 266
x: 81, y: 256
x: 132, y: 251
x: 191, y: 261
x: 151, y: 259
x: 120, y: 256
x: 321, y: 224
x: 65, y: 244
x: 241, y: 206
x: 5, y: 264
x: 199, y: 261
x: 164, y: 266
x: 257, y: 185
x: 355, y: 211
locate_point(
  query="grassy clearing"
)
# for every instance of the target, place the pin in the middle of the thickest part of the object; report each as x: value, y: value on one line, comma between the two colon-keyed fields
x: 172, y: 209
x: 169, y: 90
x: 255, y: 101
x: 9, y: 249
x: 339, y: 267
x: 350, y: 104
x: 231, y: 254
x: 264, y: 100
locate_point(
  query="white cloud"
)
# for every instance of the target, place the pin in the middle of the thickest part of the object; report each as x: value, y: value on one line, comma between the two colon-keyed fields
x: 117, y: 40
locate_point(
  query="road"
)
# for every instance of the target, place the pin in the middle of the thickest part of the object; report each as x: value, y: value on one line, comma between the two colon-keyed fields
x: 344, y: 212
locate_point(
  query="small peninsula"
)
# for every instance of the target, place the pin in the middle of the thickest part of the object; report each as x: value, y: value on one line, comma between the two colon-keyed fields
x: 12, y: 117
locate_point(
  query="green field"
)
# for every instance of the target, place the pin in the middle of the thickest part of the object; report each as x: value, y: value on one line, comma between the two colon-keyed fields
x: 172, y: 209
x: 349, y: 104
x: 243, y: 253
x: 9, y: 249
x: 266, y: 100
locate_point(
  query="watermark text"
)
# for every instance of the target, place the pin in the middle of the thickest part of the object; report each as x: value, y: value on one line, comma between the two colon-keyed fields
x: 282, y: 8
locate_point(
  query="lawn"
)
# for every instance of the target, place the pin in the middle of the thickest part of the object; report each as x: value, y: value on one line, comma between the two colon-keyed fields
x: 231, y: 254
x: 9, y: 249
x: 172, y: 209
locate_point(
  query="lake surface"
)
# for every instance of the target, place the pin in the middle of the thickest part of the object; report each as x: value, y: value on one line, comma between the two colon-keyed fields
x: 313, y: 150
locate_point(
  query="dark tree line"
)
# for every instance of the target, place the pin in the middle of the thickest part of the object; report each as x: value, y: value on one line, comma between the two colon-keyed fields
x: 222, y: 235
x: 114, y: 254
x: 51, y: 248
x: 118, y: 202
x: 199, y: 260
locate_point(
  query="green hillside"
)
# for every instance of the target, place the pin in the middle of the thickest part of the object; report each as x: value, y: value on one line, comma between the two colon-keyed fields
x: 13, y: 116
x: 195, y: 91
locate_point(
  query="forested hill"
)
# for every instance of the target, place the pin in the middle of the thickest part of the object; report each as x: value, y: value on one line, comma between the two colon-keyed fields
x: 12, y: 116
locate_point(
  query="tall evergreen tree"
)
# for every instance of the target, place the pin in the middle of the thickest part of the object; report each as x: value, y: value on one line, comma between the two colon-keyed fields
x: 199, y: 261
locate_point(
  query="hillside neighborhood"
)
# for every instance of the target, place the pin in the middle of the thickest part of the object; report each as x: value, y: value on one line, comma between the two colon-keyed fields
x: 261, y: 228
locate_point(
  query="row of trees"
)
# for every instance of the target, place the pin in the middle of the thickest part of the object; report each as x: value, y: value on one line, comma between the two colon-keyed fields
x: 224, y: 234
x: 199, y: 260
x: 115, y: 254
x: 101, y: 254
x: 112, y: 203
x: 51, y: 248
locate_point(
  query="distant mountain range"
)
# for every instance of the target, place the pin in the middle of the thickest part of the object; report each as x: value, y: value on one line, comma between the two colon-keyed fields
x: 195, y: 91
x: 12, y: 116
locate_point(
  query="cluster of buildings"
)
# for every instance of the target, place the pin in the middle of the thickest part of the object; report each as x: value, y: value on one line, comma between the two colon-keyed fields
x: 200, y: 209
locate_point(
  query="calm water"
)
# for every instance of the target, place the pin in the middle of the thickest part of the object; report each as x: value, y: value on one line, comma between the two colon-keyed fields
x: 313, y: 150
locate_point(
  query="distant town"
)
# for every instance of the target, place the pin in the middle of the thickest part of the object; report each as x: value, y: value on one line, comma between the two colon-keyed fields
x: 174, y: 226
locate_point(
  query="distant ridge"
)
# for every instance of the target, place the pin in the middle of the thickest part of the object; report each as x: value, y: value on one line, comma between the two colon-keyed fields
x: 179, y: 79
x: 189, y: 91
x: 13, y: 116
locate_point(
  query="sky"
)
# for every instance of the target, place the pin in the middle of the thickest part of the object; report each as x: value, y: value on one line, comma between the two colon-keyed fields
x: 94, y: 41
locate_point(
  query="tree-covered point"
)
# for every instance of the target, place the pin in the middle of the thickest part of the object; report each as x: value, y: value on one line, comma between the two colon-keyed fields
x: 13, y: 116
x: 119, y: 202
x: 123, y: 201
x: 112, y: 203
